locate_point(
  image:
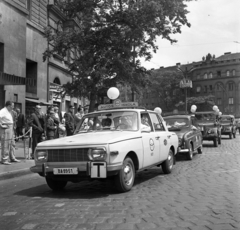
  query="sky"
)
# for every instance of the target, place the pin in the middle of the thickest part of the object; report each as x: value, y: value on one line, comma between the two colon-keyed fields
x: 215, y: 29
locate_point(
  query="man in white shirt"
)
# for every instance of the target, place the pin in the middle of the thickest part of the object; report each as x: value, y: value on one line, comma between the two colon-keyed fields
x: 6, y: 132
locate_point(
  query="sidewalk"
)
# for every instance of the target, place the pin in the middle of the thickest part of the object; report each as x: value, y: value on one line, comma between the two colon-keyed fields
x: 17, y: 169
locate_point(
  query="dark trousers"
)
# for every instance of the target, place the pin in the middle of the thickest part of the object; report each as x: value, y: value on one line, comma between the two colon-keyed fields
x: 36, y: 138
x: 50, y: 138
x: 69, y: 132
x: 19, y: 132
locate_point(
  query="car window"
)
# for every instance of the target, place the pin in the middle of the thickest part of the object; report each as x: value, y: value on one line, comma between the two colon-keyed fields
x: 157, y: 123
x: 146, y: 121
x: 177, y: 122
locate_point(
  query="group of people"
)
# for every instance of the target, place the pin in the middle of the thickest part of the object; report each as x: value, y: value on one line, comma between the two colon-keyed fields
x: 44, y: 126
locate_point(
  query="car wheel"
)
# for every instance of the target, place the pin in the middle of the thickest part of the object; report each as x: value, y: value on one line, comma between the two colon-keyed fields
x: 199, y: 149
x: 215, y: 142
x: 190, y: 152
x: 56, y: 185
x: 167, y: 165
x: 230, y: 136
x: 126, y: 176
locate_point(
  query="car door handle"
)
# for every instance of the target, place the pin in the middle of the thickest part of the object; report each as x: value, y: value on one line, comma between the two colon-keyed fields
x: 169, y: 136
x: 157, y: 138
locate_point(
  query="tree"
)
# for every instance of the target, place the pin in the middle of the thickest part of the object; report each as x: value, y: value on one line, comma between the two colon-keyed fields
x: 109, y: 38
x: 165, y: 84
x: 203, y: 103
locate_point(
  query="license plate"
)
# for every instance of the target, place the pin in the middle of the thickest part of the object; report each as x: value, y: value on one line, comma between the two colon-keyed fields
x: 65, y: 171
x: 98, y: 170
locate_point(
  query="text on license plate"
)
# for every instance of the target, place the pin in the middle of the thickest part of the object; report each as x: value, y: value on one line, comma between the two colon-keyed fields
x: 63, y: 171
x: 98, y: 170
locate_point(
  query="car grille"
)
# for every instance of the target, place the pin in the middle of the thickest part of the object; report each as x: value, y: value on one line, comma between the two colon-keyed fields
x: 68, y: 155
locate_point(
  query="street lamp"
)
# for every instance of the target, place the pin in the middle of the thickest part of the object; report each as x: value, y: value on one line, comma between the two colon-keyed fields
x: 185, y: 83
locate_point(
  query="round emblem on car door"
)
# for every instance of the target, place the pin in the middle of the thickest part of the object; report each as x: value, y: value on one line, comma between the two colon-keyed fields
x: 151, y: 144
x: 165, y: 142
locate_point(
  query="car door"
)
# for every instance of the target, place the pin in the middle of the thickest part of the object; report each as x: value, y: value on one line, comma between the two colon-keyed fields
x: 196, y: 132
x: 150, y: 143
x: 162, y: 136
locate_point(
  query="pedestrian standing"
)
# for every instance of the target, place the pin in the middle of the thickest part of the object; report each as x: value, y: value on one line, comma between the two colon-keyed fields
x: 6, y: 132
x: 78, y: 116
x: 51, y: 126
x: 70, y: 121
x: 20, y: 124
x: 56, y: 120
x: 36, y: 123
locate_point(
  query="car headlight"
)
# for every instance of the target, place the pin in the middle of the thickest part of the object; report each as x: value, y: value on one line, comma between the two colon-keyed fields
x: 97, y: 154
x: 41, y: 155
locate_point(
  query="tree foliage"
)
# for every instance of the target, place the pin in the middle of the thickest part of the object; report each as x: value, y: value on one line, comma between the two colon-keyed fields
x: 110, y: 37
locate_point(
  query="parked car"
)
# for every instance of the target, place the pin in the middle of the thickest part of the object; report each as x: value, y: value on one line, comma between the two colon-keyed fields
x: 210, y: 126
x: 189, y: 135
x: 112, y: 143
x: 229, y: 125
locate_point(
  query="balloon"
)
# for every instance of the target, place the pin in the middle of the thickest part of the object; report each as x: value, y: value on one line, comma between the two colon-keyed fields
x: 158, y: 110
x: 220, y: 113
x: 193, y: 108
x: 113, y: 93
x: 215, y: 107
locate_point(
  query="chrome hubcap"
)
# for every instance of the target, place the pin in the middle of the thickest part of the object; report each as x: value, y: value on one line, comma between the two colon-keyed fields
x: 128, y: 174
x: 170, y: 160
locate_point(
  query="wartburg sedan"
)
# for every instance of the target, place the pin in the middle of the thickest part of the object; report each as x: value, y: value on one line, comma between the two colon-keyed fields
x: 229, y: 126
x: 114, y: 143
x: 210, y: 127
x: 189, y: 135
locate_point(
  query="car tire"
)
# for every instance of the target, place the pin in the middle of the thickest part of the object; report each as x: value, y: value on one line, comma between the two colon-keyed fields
x: 230, y: 136
x: 199, y: 149
x: 167, y: 165
x: 125, y: 179
x: 55, y: 185
x: 215, y: 142
x: 190, y: 152
x: 234, y: 135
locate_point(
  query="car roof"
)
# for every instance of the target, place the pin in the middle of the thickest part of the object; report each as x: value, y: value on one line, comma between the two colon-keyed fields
x: 180, y: 116
x: 205, y: 112
x: 225, y: 115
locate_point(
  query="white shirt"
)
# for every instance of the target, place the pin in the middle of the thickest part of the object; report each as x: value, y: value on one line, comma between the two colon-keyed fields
x: 5, y: 116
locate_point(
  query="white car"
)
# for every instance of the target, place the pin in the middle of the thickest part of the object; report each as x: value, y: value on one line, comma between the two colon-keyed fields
x: 116, y: 142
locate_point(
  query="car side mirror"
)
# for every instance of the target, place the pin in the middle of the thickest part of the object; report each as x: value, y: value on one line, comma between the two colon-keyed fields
x: 194, y: 128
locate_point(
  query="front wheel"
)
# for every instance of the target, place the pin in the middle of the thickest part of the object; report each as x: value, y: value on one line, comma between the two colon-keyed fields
x: 126, y: 176
x: 219, y: 139
x: 234, y: 134
x: 190, y: 152
x: 230, y: 136
x: 167, y: 165
x: 199, y: 149
x: 215, y: 142
x: 56, y: 185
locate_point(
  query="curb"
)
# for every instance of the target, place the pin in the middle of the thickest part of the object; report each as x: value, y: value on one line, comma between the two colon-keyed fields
x: 14, y: 173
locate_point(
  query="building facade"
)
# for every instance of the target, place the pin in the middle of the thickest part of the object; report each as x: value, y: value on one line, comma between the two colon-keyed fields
x: 219, y: 77
x: 24, y: 77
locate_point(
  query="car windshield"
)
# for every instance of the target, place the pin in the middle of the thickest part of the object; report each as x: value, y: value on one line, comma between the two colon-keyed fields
x: 177, y: 122
x: 205, y: 117
x: 102, y: 121
x: 226, y: 119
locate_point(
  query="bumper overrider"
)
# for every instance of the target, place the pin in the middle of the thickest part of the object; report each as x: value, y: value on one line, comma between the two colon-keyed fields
x: 182, y: 146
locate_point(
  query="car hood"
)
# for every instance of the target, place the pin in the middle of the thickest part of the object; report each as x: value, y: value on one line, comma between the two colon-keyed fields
x: 96, y: 138
x: 206, y: 123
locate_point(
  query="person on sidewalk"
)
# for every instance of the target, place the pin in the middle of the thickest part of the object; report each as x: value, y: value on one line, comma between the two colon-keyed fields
x: 51, y: 126
x: 6, y: 133
x: 37, y: 128
x: 20, y: 124
x: 70, y: 121
x: 78, y: 116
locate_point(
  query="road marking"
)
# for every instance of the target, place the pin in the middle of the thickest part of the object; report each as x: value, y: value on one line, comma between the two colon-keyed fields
x: 9, y: 213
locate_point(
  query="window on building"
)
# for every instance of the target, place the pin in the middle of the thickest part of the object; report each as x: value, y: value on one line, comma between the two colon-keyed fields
x: 230, y: 101
x: 230, y: 86
x: 205, y: 76
x: 210, y: 75
x: 219, y: 101
x: 234, y: 72
x: 205, y: 89
x: 228, y: 73
x: 1, y: 57
x: 219, y: 73
x: 15, y: 98
x: 210, y: 88
x: 31, y: 76
x: 198, y: 89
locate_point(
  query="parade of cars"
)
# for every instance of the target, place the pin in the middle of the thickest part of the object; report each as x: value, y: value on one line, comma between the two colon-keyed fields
x: 189, y: 135
x: 115, y: 142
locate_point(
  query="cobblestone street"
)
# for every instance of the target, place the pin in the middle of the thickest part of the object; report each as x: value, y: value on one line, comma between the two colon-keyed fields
x: 200, y: 194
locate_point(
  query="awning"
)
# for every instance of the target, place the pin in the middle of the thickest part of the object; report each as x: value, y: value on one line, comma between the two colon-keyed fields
x: 38, y: 102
